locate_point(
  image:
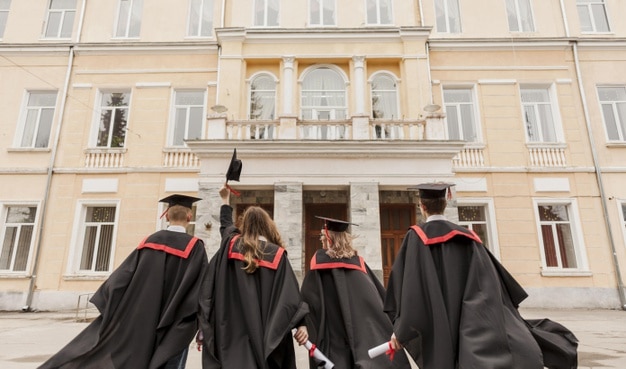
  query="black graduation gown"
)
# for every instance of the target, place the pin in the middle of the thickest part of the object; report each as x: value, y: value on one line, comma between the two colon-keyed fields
x: 454, y: 305
x: 246, y: 319
x: 148, y: 308
x: 346, y: 316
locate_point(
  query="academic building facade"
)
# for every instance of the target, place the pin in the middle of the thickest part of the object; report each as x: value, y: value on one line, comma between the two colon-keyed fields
x: 336, y: 108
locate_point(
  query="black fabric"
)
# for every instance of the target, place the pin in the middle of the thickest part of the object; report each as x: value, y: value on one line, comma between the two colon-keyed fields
x: 454, y: 306
x: 558, y: 344
x: 346, y: 316
x: 148, y: 309
x: 246, y: 319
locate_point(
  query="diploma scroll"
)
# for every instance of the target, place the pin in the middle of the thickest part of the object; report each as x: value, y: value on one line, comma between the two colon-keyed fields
x: 323, y: 361
x: 383, y: 348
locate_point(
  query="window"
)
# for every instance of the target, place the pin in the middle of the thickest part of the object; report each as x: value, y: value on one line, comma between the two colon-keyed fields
x: 460, y: 114
x: 266, y: 13
x: 384, y: 97
x: 323, y: 95
x: 322, y: 12
x: 520, y: 16
x: 60, y: 20
x: 17, y: 235
x: 113, y: 119
x: 188, y: 116
x: 448, y: 16
x: 97, y: 234
x: 4, y: 14
x: 200, y: 18
x: 37, y: 119
x: 613, y: 104
x: 129, y: 18
x: 557, y: 235
x: 476, y: 218
x: 263, y: 97
x: 539, y: 115
x: 592, y: 14
x: 378, y: 11
x: 623, y: 205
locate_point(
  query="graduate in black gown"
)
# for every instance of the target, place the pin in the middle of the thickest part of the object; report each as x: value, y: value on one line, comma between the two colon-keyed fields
x: 455, y: 306
x: 148, y: 306
x: 345, y: 299
x: 250, y: 298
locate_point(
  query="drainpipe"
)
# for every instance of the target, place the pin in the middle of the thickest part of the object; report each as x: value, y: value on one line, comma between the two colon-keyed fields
x: 33, y: 278
x: 598, y: 170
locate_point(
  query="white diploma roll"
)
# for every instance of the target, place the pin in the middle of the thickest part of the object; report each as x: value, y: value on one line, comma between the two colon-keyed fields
x: 379, y: 350
x: 317, y: 354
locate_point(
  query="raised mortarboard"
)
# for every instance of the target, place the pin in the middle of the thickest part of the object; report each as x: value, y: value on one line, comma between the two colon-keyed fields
x: 335, y: 225
x: 177, y: 199
x: 234, y: 172
x: 433, y: 190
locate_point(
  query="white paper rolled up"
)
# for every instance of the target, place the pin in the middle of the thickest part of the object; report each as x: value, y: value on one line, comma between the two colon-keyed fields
x: 317, y: 354
x: 378, y: 350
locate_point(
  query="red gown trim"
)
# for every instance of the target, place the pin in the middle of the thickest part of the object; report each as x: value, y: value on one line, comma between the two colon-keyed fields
x: 435, y: 240
x: 338, y: 264
x: 170, y: 250
x: 262, y: 263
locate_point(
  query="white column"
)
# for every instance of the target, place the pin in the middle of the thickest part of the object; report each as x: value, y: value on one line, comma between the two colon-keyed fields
x: 288, y: 215
x: 365, y: 211
x: 359, y: 84
x: 287, y: 84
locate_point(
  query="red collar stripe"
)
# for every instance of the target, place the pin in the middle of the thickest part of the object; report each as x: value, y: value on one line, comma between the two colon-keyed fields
x: 170, y: 250
x: 435, y: 240
x: 263, y: 263
x: 338, y: 264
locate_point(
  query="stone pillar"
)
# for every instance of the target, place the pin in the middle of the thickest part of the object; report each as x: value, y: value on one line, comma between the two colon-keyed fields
x: 361, y: 128
x: 216, y: 127
x: 289, y: 215
x: 365, y: 211
x: 287, y: 84
x: 288, y: 128
x: 435, y: 127
x: 359, y: 83
x: 208, y: 215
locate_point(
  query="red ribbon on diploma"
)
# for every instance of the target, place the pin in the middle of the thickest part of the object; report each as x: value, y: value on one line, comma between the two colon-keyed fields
x: 390, y: 352
x: 312, y: 350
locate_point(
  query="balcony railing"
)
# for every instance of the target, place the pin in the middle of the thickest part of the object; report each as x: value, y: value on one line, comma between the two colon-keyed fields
x: 252, y: 130
x: 104, y: 158
x: 179, y: 158
x: 469, y: 157
x: 547, y: 155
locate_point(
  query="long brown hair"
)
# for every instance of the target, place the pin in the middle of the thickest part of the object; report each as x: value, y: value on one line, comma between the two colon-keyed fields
x: 339, y: 245
x: 256, y: 222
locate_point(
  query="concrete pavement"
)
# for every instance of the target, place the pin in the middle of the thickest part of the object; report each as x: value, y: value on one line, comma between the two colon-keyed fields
x: 28, y: 339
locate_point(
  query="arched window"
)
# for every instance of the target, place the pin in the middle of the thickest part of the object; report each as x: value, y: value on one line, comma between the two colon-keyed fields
x: 323, y: 95
x: 384, y: 97
x: 262, y: 97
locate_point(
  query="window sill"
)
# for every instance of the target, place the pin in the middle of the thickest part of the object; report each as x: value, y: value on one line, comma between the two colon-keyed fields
x: 9, y: 275
x: 28, y: 149
x: 616, y: 144
x: 553, y: 272
x: 85, y: 277
x: 106, y: 150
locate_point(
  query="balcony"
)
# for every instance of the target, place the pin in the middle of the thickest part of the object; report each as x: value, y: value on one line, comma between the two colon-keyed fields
x: 546, y: 154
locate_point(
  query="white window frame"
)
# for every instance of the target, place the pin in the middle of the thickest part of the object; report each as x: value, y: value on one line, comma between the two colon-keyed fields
x: 64, y: 13
x: 554, y: 107
x: 620, y: 126
x: 135, y: 8
x: 396, y: 92
x: 490, y: 222
x: 621, y: 208
x: 447, y: 15
x: 78, y: 235
x: 378, y: 8
x: 457, y: 106
x: 249, y: 83
x: 266, y: 7
x: 4, y: 208
x: 188, y: 107
x: 19, y: 138
x: 519, y: 15
x: 203, y: 19
x: 320, y: 22
x: 588, y: 7
x: 4, y: 16
x: 577, y: 238
x: 331, y: 110
x: 93, y: 140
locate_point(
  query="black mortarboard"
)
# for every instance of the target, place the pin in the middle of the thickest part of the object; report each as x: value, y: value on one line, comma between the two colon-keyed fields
x: 182, y: 200
x: 335, y: 225
x: 433, y: 190
x: 234, y: 169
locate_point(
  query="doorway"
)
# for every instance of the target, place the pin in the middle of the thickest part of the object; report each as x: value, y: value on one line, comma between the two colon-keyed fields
x: 395, y: 220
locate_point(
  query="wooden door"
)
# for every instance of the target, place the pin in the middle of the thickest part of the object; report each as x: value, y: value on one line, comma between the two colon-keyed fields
x: 313, y: 226
x: 395, y: 220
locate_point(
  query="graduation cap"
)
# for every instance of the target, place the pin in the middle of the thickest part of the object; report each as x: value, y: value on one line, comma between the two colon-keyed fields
x: 335, y: 225
x: 234, y: 172
x: 434, y: 190
x: 177, y: 199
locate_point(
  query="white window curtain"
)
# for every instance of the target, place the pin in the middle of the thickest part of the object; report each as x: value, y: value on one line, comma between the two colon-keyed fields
x: 323, y: 90
x: 613, y: 103
x: 538, y: 115
x: 378, y: 11
x: 593, y: 16
x: 188, y: 116
x: 200, y: 18
x: 448, y: 16
x: 38, y: 120
x: 4, y: 15
x: 520, y: 16
x: 99, y: 225
x: 322, y: 12
x: 263, y: 98
x: 19, y: 225
x: 266, y: 13
x: 460, y: 114
x: 384, y: 97
x: 60, y: 20
x: 129, y: 18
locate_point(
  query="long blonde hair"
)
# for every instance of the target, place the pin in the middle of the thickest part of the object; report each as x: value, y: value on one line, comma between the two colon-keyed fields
x: 256, y: 222
x: 339, y: 244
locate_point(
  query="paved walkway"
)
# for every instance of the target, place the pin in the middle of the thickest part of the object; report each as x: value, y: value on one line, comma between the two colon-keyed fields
x: 28, y: 339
